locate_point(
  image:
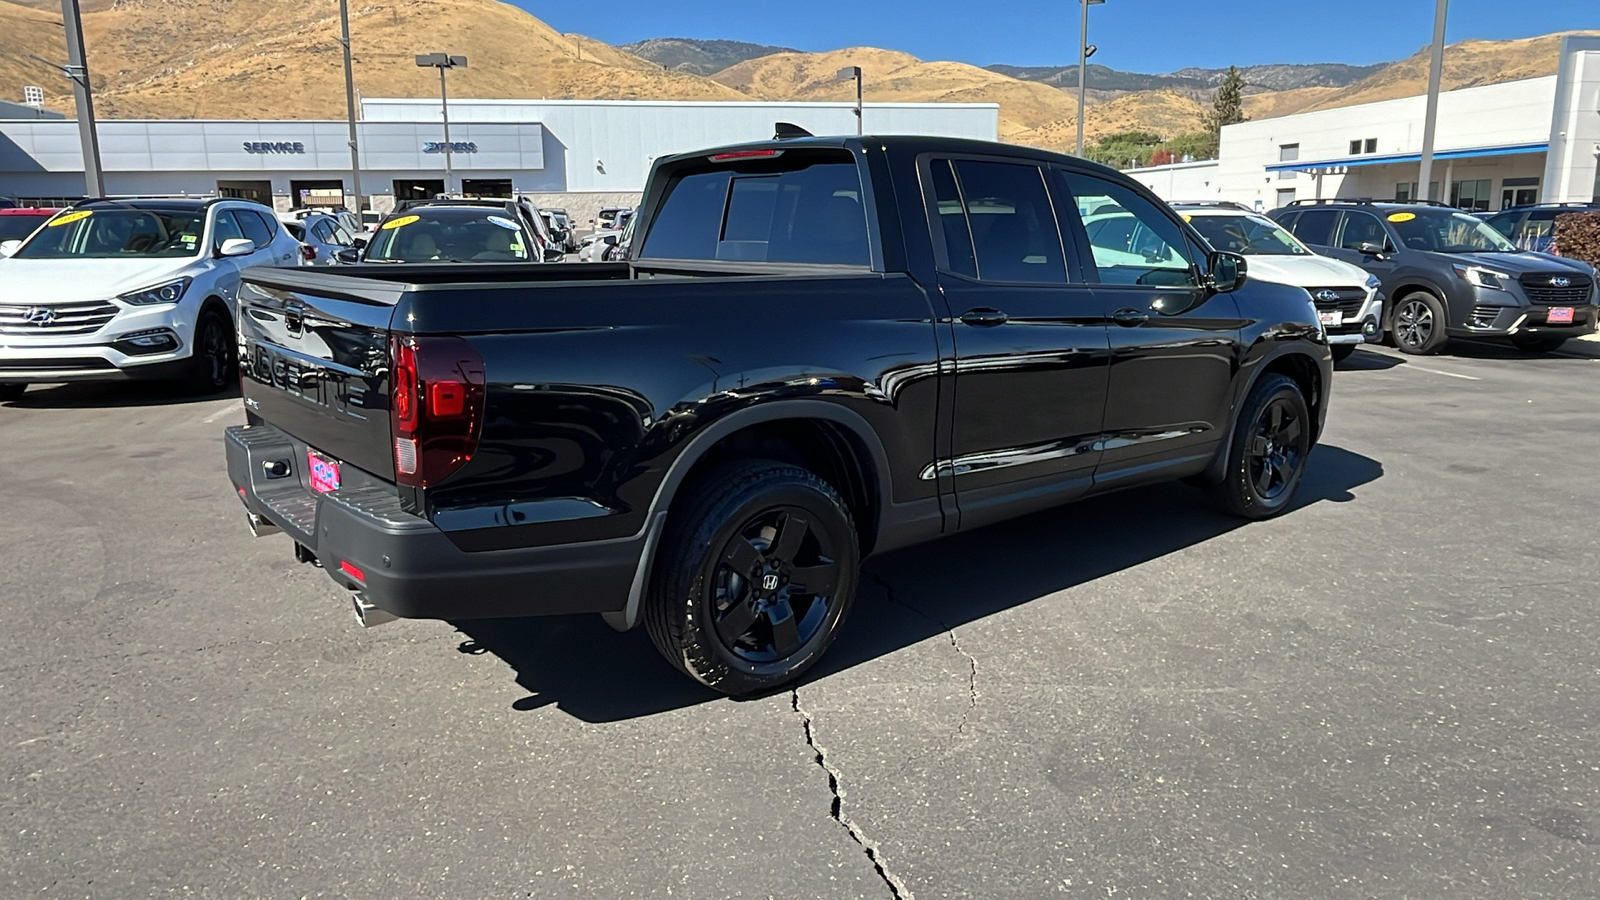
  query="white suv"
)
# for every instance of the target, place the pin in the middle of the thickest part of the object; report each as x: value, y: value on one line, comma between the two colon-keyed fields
x: 115, y: 289
x: 1347, y: 297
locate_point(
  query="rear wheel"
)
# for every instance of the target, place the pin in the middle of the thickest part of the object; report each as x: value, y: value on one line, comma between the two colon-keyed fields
x: 10, y: 392
x: 1342, y: 352
x: 1538, y: 344
x: 756, y: 573
x: 1271, y: 444
x: 211, y: 368
x: 1419, y: 324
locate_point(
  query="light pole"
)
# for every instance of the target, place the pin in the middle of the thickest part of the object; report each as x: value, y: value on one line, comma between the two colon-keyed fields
x: 350, y: 104
x: 77, y: 69
x: 1084, y: 52
x: 442, y: 62
x: 1435, y: 73
x: 845, y: 74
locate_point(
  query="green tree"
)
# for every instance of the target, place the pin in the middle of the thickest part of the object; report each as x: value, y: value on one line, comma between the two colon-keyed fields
x: 1228, y: 107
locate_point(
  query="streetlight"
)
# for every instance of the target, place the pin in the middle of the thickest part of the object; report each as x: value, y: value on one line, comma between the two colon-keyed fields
x: 442, y: 62
x: 77, y: 69
x: 350, y: 104
x: 1084, y: 52
x: 1435, y: 73
x: 847, y: 73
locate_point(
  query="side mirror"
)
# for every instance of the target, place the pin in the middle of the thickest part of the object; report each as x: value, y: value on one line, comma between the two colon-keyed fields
x: 1227, y: 272
x: 348, y: 255
x: 359, y: 243
x: 8, y: 247
x: 1371, y: 249
x: 237, y: 247
x: 554, y: 254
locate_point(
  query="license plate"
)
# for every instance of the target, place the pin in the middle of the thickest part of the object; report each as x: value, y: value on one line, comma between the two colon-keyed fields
x: 1561, y: 315
x: 1330, y: 316
x: 324, y: 473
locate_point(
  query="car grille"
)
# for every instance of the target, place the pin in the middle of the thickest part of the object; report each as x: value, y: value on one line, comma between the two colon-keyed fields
x: 1539, y: 289
x: 64, y: 318
x: 1348, y: 300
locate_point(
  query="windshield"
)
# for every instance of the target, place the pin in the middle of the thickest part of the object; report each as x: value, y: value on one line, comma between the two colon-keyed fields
x: 451, y: 235
x: 1248, y: 235
x: 117, y: 233
x: 1444, y: 231
x: 15, y: 228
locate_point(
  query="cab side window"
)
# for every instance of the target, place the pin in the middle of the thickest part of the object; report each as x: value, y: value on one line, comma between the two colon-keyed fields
x: 999, y: 214
x: 1361, y: 228
x: 1132, y: 240
x: 1315, y: 226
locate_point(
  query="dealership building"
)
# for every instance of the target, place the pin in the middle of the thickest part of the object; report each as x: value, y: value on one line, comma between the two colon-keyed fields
x: 577, y: 154
x: 1531, y: 141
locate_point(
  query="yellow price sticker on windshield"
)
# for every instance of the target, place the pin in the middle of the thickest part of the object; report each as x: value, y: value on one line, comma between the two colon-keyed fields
x: 1402, y: 217
x: 401, y: 222
x: 69, y: 218
x: 1188, y: 218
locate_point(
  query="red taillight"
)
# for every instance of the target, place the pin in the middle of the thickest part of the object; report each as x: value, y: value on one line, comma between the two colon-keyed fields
x: 746, y: 154
x: 352, y: 571
x: 308, y: 253
x: 436, y: 404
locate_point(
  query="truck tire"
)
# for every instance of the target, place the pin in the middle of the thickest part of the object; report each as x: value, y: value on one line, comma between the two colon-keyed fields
x: 212, y: 367
x: 1419, y: 323
x: 10, y: 392
x: 1538, y: 344
x: 757, y: 570
x: 1268, y: 454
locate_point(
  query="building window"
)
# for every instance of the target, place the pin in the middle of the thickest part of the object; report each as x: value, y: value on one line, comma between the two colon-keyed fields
x: 1406, y: 192
x: 486, y: 187
x: 1471, y: 195
x: 1372, y: 145
x: 1355, y: 148
x: 1288, y: 153
x: 1285, y: 197
x: 1358, y: 147
x: 1519, y: 192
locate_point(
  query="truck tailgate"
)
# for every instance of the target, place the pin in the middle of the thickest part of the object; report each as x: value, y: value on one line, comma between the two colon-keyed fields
x: 315, y: 361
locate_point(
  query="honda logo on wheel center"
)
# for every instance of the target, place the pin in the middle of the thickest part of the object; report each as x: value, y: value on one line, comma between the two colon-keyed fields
x: 769, y: 583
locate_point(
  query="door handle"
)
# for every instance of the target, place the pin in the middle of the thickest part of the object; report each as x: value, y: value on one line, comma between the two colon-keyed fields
x: 984, y: 317
x: 1130, y: 318
x: 294, y: 318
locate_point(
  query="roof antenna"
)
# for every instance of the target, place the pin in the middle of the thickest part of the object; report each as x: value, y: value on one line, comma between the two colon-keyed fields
x: 786, y: 131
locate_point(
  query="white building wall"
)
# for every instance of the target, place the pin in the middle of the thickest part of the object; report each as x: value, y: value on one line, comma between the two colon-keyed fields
x: 1181, y: 181
x: 608, y: 145
x: 1516, y: 112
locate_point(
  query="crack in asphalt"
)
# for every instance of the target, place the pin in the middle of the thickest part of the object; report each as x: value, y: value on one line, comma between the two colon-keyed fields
x: 897, y: 888
x: 972, y: 661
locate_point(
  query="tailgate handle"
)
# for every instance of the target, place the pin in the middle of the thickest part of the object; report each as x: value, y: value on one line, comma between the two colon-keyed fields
x: 294, y: 319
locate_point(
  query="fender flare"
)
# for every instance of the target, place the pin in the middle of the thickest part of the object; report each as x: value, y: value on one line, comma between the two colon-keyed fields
x: 656, y: 519
x: 1214, y: 471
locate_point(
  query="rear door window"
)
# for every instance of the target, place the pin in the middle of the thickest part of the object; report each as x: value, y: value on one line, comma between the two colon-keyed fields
x: 1012, y: 222
x: 1316, y: 226
x: 796, y: 208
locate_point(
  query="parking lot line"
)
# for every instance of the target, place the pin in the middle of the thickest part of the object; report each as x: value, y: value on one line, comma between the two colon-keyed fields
x: 1441, y: 372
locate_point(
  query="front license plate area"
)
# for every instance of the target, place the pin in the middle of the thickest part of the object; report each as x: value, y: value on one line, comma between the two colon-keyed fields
x: 1330, y: 316
x: 1560, y: 315
x: 324, y: 472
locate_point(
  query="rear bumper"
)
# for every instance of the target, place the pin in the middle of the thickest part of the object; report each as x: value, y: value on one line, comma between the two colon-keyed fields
x: 407, y: 566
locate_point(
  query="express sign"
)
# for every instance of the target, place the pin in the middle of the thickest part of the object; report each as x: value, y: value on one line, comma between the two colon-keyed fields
x: 274, y: 147
x: 455, y: 147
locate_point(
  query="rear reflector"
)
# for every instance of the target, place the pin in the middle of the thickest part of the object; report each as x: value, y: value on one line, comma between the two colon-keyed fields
x: 746, y: 154
x: 447, y: 399
x: 405, y: 456
x: 352, y: 571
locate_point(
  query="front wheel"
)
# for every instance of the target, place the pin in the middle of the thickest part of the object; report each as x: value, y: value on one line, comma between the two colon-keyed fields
x: 1538, y: 344
x: 758, y: 569
x: 1419, y: 323
x: 1268, y: 454
x: 211, y: 368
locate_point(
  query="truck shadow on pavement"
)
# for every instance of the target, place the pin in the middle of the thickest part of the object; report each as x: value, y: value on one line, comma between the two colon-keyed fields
x: 597, y: 675
x: 114, y: 395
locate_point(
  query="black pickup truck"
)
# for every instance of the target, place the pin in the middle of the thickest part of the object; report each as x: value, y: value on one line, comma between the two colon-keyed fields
x: 820, y: 349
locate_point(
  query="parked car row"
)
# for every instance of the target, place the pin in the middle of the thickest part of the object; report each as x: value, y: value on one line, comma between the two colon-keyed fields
x: 608, y: 240
x: 1414, y: 273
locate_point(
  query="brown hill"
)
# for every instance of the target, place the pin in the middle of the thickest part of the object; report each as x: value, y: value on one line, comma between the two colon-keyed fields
x: 30, y: 31
x: 279, y: 59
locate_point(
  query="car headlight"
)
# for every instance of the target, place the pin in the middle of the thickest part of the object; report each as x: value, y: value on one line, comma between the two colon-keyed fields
x: 166, y: 292
x: 1373, y: 283
x: 1484, y: 278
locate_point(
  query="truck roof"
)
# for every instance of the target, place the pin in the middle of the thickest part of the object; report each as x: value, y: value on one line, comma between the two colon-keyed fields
x: 903, y: 142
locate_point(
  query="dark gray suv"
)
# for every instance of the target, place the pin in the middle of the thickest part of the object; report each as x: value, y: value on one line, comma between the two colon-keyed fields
x: 1448, y: 274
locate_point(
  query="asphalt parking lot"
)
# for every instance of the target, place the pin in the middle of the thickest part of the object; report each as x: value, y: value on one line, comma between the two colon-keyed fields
x: 1390, y: 692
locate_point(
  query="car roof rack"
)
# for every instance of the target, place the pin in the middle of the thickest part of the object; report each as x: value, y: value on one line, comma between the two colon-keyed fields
x: 1569, y: 204
x: 1211, y: 204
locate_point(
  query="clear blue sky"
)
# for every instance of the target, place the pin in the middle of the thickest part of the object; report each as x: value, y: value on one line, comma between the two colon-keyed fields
x: 1134, y: 35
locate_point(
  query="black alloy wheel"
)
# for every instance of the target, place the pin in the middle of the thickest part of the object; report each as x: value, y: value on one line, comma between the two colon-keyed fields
x: 1269, y: 450
x: 757, y: 569
x: 211, y: 368
x: 1419, y: 324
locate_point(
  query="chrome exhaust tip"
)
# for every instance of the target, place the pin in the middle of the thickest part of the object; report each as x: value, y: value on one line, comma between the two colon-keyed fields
x: 259, y: 526
x: 369, y: 614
